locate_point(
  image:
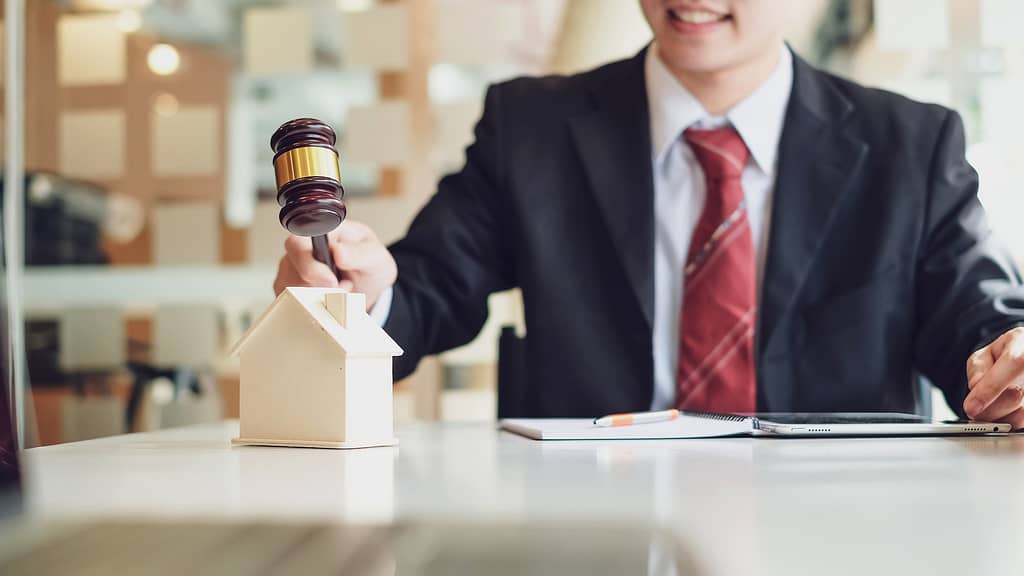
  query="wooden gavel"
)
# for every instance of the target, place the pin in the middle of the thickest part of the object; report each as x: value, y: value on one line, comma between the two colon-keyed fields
x: 309, y: 189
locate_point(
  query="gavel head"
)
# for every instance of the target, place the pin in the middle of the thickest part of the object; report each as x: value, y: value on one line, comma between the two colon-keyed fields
x: 308, y: 175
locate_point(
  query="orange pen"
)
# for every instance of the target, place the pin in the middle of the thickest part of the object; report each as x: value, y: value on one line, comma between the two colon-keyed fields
x: 636, y: 418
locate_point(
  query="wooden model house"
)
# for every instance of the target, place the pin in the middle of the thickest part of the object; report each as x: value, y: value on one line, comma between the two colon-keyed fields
x: 316, y: 372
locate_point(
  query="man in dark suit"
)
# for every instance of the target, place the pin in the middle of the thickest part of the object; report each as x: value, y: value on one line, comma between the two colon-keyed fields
x: 713, y: 224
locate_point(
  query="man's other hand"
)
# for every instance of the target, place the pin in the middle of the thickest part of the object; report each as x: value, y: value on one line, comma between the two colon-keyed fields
x: 995, y: 377
x: 365, y: 262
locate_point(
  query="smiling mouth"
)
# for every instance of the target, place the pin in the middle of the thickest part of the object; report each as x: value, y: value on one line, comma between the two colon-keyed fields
x: 696, y: 17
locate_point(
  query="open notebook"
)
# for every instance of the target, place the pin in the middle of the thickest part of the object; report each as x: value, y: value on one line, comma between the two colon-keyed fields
x: 702, y: 425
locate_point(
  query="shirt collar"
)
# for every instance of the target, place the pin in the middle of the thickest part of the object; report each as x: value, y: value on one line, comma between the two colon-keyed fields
x: 758, y: 118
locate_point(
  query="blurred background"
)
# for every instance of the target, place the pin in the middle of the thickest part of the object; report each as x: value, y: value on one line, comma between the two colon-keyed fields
x: 150, y: 226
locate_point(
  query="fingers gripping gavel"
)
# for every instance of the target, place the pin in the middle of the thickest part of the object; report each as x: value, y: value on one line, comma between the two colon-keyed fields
x: 309, y: 187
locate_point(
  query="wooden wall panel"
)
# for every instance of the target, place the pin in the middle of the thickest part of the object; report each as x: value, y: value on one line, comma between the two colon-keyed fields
x: 412, y: 85
x: 138, y: 333
x: 203, y: 80
x: 41, y: 92
x: 135, y: 252
x: 234, y: 244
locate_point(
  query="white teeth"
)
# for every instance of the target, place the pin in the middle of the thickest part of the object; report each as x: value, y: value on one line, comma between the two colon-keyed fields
x: 696, y: 16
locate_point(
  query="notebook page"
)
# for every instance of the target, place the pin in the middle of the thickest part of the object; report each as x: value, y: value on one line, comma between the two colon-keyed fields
x: 584, y: 429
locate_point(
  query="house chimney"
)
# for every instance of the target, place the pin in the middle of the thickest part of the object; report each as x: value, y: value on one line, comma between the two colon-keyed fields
x: 346, y: 307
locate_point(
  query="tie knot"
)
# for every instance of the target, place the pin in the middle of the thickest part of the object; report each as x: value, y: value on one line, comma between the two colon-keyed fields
x: 721, y: 152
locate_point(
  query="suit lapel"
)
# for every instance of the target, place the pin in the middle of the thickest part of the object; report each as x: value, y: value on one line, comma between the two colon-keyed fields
x: 817, y: 163
x: 614, y: 144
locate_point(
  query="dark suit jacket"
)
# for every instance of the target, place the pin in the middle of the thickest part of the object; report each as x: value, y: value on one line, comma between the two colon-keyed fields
x: 880, y: 262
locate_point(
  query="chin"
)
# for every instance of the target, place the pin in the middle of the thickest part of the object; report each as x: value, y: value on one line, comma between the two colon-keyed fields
x: 691, y: 64
x: 693, y: 59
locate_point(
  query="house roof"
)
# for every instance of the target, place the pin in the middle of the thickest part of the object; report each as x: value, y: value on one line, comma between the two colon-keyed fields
x: 363, y: 338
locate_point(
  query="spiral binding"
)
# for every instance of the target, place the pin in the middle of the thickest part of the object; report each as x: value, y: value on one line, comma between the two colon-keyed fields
x: 717, y: 416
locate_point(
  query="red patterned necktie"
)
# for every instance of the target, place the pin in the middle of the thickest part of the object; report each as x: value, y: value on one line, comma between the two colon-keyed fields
x: 716, y: 331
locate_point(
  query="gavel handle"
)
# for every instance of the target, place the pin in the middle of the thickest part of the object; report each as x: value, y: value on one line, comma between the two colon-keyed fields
x: 322, y: 252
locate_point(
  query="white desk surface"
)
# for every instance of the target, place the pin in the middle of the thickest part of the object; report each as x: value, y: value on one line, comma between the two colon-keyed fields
x: 845, y: 506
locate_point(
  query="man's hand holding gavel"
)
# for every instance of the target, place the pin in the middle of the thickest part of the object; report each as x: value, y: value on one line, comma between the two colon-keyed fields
x: 364, y: 261
x: 342, y: 254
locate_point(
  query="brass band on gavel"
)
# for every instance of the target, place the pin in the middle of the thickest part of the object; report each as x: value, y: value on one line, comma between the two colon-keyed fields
x: 304, y: 162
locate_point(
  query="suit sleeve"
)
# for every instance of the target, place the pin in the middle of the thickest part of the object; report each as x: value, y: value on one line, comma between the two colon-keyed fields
x: 455, y: 253
x: 968, y: 288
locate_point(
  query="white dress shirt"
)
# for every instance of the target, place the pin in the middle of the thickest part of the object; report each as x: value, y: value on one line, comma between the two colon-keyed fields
x: 680, y: 189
